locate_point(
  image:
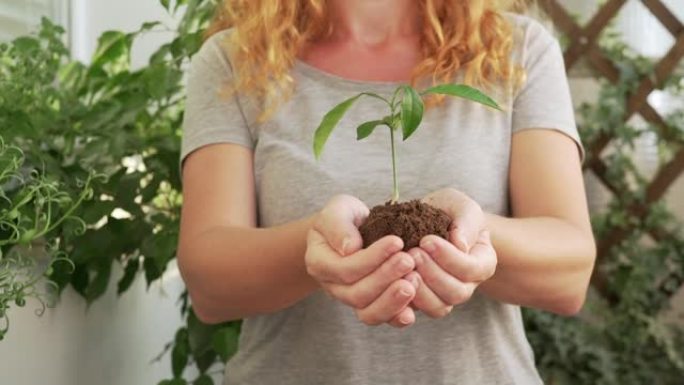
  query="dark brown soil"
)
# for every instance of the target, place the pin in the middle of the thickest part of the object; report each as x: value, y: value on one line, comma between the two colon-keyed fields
x: 410, y: 221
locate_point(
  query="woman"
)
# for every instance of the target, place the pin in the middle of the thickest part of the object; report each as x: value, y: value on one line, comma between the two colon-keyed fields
x: 446, y: 312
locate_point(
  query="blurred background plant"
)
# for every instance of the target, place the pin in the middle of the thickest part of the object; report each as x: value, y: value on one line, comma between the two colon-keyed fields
x: 628, y: 332
x: 36, y: 208
x: 89, y: 180
x: 89, y: 171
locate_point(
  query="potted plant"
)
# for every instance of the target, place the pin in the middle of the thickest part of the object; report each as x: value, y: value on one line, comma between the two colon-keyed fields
x: 410, y: 220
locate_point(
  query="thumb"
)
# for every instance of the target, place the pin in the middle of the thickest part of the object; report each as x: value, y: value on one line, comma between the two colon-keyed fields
x: 338, y: 222
x: 466, y: 215
x: 466, y: 227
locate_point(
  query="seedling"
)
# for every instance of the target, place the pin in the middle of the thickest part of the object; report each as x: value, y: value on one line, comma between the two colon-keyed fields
x: 406, y: 112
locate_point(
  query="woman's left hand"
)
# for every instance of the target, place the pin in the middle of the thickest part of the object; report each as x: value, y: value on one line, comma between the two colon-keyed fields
x: 450, y: 270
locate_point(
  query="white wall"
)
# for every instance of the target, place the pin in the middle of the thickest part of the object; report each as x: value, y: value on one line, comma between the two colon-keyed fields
x: 19, y: 17
x: 92, y: 17
x: 111, y: 343
x: 114, y: 341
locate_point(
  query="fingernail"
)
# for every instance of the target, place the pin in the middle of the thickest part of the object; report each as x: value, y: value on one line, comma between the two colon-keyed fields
x: 417, y: 257
x: 404, y: 293
x: 462, y: 240
x: 396, y: 246
x: 415, y: 281
x: 428, y: 246
x: 405, y: 263
x: 405, y: 319
x: 345, y: 245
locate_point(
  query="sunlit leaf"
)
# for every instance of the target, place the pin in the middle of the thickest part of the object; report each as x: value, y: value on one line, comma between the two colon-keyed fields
x: 463, y: 91
x: 329, y: 123
x: 113, y: 47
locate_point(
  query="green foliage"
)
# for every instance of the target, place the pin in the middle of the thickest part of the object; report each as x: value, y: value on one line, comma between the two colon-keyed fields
x: 406, y: 113
x: 32, y: 207
x: 201, y: 345
x: 624, y: 335
x: 89, y: 177
x: 409, y: 115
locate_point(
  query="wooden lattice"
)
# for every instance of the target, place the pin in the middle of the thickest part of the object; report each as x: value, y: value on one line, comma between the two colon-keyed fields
x: 583, y: 43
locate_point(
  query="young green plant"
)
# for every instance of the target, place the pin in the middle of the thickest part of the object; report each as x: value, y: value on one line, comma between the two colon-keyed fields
x: 405, y: 110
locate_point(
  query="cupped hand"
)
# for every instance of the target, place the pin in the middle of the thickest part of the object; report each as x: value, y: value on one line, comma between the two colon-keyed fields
x: 450, y: 270
x: 370, y: 280
x: 467, y: 217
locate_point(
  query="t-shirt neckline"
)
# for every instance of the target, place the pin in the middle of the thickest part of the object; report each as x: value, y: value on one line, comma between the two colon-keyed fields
x: 318, y: 74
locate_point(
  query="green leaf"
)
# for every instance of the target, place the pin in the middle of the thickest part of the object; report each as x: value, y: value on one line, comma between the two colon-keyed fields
x: 71, y: 74
x: 158, y: 250
x: 463, y: 91
x: 411, y: 111
x: 27, y: 236
x: 180, y: 353
x: 26, y: 44
x: 148, y: 26
x: 184, y: 25
x: 225, y: 342
x: 329, y: 122
x: 175, y: 381
x: 130, y: 272
x: 112, y: 46
x: 159, y: 79
x: 365, y: 129
x: 179, y: 3
x: 203, y: 380
x: 165, y: 4
x: 192, y: 42
x: 159, y: 56
x: 376, y: 96
x: 95, y: 210
x: 204, y: 361
x: 200, y: 335
x: 97, y: 286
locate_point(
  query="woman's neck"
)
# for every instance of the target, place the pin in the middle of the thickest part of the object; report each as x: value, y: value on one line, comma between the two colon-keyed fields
x: 374, y: 23
x: 372, y: 40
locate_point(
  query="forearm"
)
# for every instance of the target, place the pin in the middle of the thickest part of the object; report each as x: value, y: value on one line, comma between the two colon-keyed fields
x: 543, y: 263
x: 235, y: 272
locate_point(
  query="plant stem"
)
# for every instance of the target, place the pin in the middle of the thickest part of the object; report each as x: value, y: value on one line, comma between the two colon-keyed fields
x: 82, y: 196
x: 395, y: 187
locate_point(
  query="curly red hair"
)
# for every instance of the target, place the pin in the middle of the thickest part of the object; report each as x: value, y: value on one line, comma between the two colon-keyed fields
x: 470, y: 36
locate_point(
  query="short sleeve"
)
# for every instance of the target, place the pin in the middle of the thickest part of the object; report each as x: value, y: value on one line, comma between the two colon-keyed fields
x: 544, y: 100
x: 211, y: 116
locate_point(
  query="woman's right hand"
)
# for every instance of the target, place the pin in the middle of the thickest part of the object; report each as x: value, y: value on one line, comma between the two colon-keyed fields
x: 370, y: 280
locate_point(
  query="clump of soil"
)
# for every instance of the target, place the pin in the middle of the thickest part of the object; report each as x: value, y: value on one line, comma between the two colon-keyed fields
x: 410, y: 221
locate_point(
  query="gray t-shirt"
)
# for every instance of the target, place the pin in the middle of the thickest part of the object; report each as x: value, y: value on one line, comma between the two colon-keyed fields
x: 460, y: 144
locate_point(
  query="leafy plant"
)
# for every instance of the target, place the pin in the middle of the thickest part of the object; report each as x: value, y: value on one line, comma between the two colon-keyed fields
x: 32, y: 207
x: 405, y: 111
x: 90, y: 173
